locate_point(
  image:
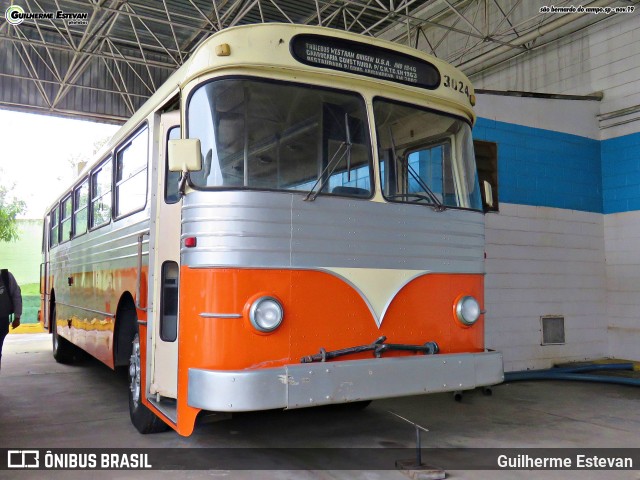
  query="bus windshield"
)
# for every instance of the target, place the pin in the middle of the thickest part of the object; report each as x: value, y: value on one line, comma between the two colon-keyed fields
x: 280, y: 136
x: 425, y: 157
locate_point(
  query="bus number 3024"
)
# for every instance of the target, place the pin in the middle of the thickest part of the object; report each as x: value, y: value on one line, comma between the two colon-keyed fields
x: 457, y: 85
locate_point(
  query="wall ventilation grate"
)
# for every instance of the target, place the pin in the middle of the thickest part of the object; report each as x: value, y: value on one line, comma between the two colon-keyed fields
x: 552, y: 330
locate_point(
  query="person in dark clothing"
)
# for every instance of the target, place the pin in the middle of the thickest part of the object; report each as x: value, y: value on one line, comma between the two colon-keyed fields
x: 10, y: 304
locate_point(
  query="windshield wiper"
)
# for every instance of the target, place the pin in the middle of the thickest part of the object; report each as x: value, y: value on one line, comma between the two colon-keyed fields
x: 335, y: 160
x: 438, y: 206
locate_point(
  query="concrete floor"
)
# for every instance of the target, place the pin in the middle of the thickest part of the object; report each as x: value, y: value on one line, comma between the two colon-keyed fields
x: 47, y: 405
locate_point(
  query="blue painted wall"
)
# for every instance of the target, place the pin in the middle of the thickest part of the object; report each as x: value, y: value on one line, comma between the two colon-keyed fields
x: 545, y: 168
x: 621, y: 173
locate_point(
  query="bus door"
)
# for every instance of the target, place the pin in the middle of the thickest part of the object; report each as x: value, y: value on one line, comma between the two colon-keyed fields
x: 164, y: 267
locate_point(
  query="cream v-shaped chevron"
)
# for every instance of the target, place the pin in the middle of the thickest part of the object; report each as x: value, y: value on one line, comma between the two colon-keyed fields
x: 377, y: 286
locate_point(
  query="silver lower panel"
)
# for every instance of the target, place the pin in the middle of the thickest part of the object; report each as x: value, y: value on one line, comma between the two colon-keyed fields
x: 306, y: 385
x: 280, y: 230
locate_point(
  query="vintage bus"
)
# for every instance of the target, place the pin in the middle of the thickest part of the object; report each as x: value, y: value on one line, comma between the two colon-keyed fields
x: 293, y: 219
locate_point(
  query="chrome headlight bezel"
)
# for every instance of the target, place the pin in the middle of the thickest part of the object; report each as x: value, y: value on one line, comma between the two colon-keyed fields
x: 256, y: 316
x: 468, y: 310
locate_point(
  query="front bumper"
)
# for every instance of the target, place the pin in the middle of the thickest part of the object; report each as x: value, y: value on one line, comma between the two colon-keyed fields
x: 311, y: 384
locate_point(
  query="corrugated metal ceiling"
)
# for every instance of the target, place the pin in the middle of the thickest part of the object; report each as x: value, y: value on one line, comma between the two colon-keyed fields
x: 105, y: 68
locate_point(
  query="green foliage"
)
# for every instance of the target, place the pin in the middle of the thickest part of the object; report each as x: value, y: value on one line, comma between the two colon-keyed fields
x: 30, y: 289
x: 10, y: 208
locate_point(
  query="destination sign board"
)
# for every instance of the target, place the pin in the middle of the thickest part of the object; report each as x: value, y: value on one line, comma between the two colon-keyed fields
x: 362, y: 59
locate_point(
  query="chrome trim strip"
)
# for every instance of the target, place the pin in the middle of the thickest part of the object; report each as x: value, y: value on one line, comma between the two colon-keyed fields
x: 220, y: 315
x: 106, y: 314
x: 342, y: 278
x: 377, y: 319
x: 311, y: 384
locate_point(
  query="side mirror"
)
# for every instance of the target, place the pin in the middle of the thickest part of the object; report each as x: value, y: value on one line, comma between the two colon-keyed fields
x: 184, y: 155
x: 488, y: 194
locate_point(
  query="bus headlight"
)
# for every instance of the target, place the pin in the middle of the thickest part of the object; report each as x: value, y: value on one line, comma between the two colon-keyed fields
x: 468, y: 310
x: 266, y: 314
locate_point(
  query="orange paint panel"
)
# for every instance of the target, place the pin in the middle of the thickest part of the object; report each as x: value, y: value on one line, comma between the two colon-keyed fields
x: 228, y: 341
x: 321, y: 311
x: 92, y: 335
x: 100, y: 291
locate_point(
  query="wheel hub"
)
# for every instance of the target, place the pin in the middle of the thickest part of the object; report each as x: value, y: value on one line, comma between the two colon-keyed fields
x: 134, y: 371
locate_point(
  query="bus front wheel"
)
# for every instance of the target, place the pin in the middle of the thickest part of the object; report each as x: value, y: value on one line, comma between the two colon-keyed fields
x: 142, y: 418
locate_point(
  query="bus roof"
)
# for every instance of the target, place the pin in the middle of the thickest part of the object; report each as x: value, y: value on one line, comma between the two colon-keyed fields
x: 272, y: 45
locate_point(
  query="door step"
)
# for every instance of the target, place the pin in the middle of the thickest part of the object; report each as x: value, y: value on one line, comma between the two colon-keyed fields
x: 168, y: 406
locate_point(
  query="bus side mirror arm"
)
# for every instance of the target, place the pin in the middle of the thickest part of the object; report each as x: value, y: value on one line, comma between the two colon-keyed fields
x: 184, y: 156
x: 182, y: 183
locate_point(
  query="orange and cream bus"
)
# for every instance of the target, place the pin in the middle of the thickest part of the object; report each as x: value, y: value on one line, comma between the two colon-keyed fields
x: 293, y: 219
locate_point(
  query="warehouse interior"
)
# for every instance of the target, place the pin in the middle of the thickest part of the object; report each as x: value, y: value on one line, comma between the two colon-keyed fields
x: 557, y: 137
x: 557, y: 134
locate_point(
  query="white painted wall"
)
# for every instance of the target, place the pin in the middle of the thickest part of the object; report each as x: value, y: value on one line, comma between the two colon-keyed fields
x: 576, y: 117
x: 622, y: 240
x: 545, y: 261
x: 604, y: 57
x: 600, y: 272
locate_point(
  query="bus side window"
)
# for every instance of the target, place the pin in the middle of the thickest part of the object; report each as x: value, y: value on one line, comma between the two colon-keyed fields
x: 131, y: 175
x: 81, y: 199
x: 169, y: 302
x: 53, y: 233
x: 487, y: 162
x: 171, y: 193
x: 101, y: 195
x: 65, y: 219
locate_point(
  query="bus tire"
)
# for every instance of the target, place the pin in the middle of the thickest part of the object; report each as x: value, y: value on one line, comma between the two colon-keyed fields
x: 63, y: 350
x: 356, y: 406
x: 142, y: 418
